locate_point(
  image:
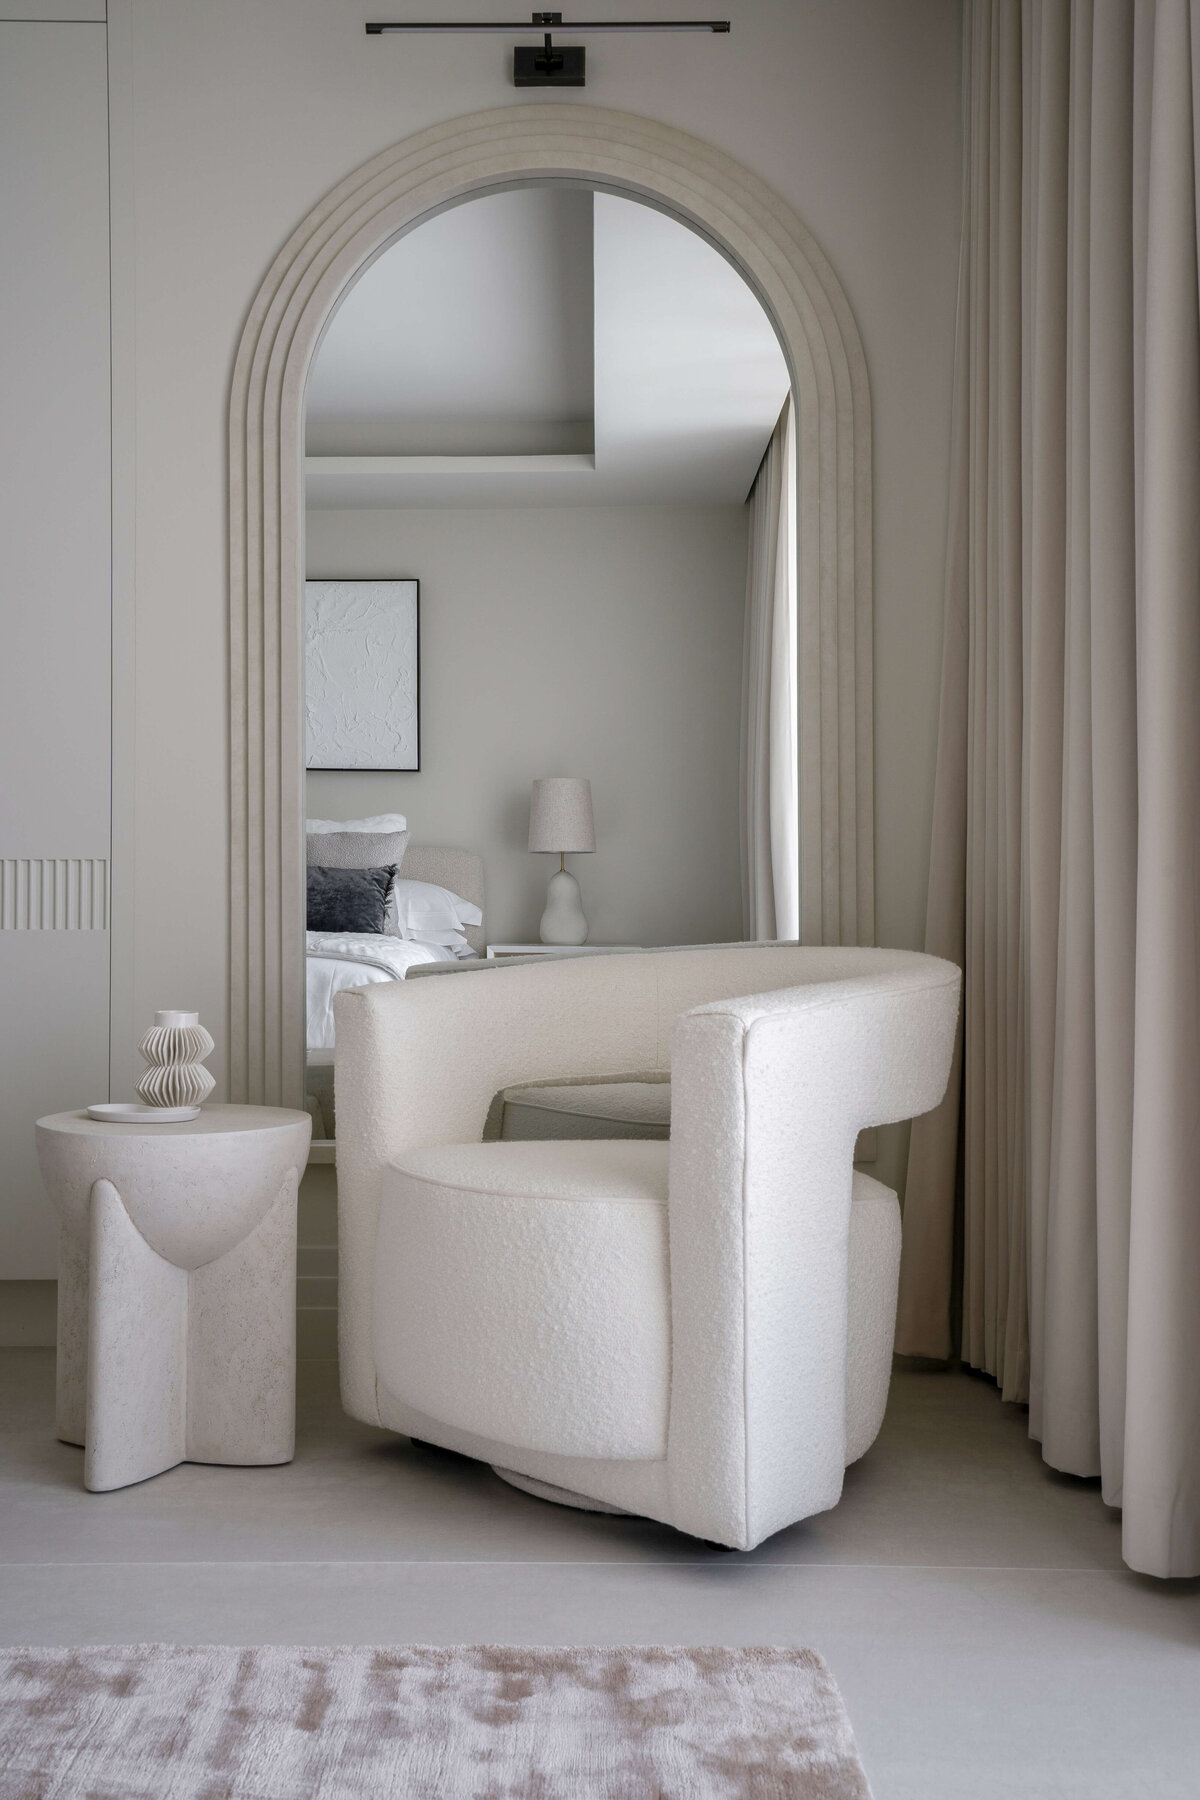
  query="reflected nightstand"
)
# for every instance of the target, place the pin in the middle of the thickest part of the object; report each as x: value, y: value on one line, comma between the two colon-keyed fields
x: 505, y: 952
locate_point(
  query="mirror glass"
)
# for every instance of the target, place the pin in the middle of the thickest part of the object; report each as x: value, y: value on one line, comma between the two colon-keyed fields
x: 534, y: 428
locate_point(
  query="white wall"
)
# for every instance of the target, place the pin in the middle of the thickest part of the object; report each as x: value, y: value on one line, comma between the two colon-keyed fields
x: 231, y: 120
x: 598, y: 641
x: 55, y: 606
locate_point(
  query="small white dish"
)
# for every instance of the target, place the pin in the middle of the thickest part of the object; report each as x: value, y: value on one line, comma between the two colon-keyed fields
x: 132, y: 1112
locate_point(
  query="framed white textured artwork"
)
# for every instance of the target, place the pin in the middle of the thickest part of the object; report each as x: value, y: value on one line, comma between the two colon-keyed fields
x: 362, y: 694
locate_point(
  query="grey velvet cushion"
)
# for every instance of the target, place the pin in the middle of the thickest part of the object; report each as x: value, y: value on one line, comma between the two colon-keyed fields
x: 359, y: 850
x: 348, y: 900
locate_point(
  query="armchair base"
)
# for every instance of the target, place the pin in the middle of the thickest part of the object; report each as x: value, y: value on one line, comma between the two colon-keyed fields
x: 546, y: 1490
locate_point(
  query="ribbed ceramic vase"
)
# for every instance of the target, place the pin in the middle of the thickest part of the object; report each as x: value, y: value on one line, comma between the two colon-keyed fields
x: 175, y: 1047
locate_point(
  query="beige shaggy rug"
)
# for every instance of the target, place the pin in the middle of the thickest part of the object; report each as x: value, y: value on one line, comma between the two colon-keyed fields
x: 481, y: 1722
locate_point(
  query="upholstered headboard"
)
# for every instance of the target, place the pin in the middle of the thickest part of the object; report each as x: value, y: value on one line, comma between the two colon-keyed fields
x: 459, y: 870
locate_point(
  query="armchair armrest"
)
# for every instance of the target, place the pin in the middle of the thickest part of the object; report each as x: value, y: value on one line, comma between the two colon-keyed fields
x: 769, y: 1093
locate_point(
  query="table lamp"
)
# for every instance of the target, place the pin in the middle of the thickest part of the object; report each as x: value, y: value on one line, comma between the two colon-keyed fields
x: 560, y: 820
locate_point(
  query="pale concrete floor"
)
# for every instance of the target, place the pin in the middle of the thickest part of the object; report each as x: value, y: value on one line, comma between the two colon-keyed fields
x: 972, y: 1604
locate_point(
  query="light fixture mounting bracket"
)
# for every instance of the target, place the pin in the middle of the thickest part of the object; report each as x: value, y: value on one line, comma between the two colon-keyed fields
x: 548, y: 67
x: 550, y: 64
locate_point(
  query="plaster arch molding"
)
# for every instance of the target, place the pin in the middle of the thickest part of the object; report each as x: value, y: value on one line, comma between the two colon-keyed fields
x: 745, y: 219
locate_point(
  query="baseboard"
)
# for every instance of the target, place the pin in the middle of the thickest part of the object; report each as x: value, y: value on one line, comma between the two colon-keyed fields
x: 316, y: 1333
x: 28, y: 1314
x: 316, y: 1263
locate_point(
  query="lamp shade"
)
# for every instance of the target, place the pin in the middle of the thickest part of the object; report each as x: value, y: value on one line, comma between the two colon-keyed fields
x: 560, y: 814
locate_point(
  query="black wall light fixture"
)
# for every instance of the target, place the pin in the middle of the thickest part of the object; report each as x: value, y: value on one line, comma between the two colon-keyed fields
x: 551, y: 65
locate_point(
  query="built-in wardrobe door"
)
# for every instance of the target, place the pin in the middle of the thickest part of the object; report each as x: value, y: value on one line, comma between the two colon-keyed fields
x: 55, y: 605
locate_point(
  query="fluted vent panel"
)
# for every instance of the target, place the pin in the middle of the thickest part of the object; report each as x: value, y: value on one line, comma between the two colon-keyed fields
x: 53, y: 893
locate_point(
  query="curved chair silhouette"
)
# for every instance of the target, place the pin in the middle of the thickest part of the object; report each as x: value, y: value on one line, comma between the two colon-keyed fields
x: 698, y: 1331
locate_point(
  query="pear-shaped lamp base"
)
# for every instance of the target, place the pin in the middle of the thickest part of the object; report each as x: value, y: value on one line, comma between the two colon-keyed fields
x: 563, y: 921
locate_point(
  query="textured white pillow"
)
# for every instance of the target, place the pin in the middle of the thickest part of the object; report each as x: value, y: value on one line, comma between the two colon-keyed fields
x: 379, y: 822
x: 423, y: 910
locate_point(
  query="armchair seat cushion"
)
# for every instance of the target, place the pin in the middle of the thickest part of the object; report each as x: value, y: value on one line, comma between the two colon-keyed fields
x: 522, y: 1292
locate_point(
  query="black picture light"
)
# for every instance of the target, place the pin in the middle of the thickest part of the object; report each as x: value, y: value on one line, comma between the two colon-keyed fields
x: 547, y: 65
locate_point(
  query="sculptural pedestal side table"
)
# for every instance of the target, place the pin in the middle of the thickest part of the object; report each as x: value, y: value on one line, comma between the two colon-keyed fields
x: 176, y: 1288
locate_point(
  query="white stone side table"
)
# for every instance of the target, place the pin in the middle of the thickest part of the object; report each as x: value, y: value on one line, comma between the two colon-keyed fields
x: 176, y: 1288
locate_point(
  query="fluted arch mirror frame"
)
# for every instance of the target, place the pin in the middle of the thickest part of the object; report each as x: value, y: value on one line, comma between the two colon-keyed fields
x: 341, y: 236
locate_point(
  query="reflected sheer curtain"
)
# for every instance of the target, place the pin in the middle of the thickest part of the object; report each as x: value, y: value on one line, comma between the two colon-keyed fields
x: 770, y: 739
x: 1065, y: 872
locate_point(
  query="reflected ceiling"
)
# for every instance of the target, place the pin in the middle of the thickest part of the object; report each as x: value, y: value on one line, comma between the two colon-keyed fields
x: 544, y: 346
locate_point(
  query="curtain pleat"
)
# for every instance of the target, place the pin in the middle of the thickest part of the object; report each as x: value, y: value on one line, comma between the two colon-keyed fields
x: 1162, y: 1415
x: 924, y: 1323
x: 1067, y: 809
x: 1113, y: 705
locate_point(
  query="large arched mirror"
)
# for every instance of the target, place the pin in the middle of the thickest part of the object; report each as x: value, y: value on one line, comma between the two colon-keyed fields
x: 550, y: 533
x: 542, y: 674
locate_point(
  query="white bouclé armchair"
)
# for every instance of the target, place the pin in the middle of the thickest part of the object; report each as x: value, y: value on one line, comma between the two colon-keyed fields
x: 698, y: 1331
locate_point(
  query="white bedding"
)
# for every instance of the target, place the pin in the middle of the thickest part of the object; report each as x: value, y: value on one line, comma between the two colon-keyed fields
x: 336, y: 961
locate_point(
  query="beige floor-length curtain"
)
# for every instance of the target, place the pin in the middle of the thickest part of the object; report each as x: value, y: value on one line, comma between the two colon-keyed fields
x: 1065, y: 873
x: 770, y: 735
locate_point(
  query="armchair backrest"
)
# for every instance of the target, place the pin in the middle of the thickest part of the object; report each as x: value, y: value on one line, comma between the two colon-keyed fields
x: 418, y: 1064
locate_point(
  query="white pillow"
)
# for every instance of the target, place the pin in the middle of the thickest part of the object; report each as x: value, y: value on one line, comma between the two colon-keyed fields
x: 445, y: 940
x: 424, y: 910
x: 379, y: 822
